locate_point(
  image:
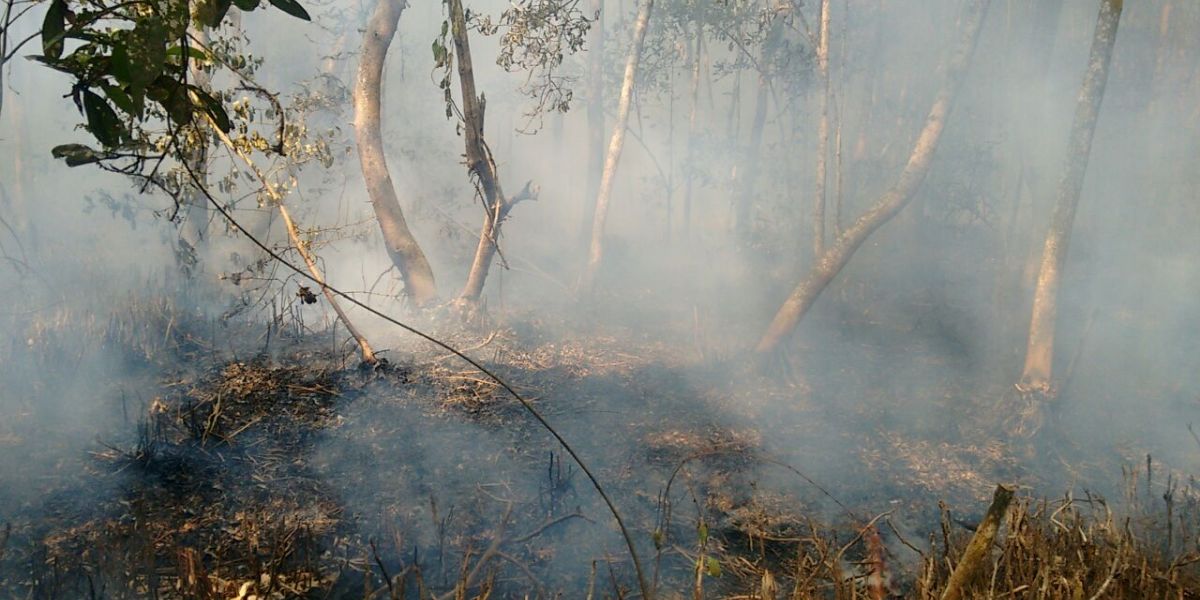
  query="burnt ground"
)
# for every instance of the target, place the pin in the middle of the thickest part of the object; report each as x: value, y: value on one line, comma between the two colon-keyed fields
x: 280, y: 469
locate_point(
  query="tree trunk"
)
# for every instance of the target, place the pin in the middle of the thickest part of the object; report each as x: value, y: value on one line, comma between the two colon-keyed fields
x: 818, y: 231
x: 595, y: 119
x: 1039, y: 355
x: 596, y: 250
x: 402, y: 247
x: 479, y: 161
x: 744, y: 201
x: 833, y: 259
x: 694, y: 93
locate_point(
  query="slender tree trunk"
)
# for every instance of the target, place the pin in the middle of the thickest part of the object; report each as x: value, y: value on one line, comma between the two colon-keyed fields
x: 833, y: 259
x: 16, y: 213
x: 748, y: 173
x: 595, y: 120
x: 694, y: 94
x: 1162, y: 52
x: 479, y: 162
x: 818, y: 224
x: 1039, y: 355
x: 613, y: 156
x: 402, y: 247
x: 838, y: 193
x: 744, y: 201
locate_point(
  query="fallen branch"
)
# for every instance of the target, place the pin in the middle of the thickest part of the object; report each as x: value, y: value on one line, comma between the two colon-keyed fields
x: 980, y: 545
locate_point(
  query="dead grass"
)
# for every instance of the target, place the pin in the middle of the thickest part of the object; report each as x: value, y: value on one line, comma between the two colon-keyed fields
x: 217, y: 494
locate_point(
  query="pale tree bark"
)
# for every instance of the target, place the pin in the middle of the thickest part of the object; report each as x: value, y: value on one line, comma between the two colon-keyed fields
x: 834, y: 258
x: 1039, y: 354
x: 479, y: 163
x: 595, y: 119
x: 616, y: 142
x: 402, y: 247
x: 818, y: 231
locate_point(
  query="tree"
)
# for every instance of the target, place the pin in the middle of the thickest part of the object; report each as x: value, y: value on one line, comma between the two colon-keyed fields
x: 615, y: 144
x: 402, y: 246
x: 595, y: 119
x: 835, y: 257
x: 822, y: 131
x: 480, y: 163
x: 1039, y: 354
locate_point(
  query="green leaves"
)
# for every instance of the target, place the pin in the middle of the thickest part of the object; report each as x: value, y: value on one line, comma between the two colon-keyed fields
x: 76, y: 154
x: 210, y: 13
x: 213, y: 107
x: 102, y: 119
x: 54, y: 29
x: 291, y: 7
x: 441, y: 56
x: 138, y: 58
x: 712, y: 566
x: 130, y: 65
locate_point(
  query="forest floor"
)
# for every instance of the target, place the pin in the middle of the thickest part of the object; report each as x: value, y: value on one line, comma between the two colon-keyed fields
x: 276, y: 467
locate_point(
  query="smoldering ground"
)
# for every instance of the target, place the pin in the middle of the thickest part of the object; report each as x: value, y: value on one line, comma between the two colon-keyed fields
x: 885, y: 392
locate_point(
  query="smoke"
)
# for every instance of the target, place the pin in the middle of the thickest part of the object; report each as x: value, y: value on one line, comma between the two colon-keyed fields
x: 909, y: 353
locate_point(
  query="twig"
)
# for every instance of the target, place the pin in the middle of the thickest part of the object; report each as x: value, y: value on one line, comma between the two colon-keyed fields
x: 980, y: 544
x: 471, y: 349
x: 548, y: 524
x: 1112, y: 572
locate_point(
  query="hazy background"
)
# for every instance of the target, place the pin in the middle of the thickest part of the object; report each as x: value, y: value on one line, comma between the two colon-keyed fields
x: 924, y: 328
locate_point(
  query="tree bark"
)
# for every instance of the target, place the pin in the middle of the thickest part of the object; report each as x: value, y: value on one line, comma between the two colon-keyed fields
x: 402, y: 247
x: 479, y: 161
x: 613, y: 156
x: 1039, y: 354
x: 818, y: 231
x: 595, y: 119
x: 833, y: 259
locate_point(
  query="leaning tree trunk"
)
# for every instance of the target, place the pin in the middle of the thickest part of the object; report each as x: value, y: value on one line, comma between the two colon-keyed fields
x: 818, y: 217
x: 1039, y: 355
x: 402, y: 247
x: 479, y: 163
x: 596, y: 250
x: 834, y: 258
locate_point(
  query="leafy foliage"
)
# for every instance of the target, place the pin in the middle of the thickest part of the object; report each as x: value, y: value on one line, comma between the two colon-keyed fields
x: 131, y: 61
x: 537, y: 36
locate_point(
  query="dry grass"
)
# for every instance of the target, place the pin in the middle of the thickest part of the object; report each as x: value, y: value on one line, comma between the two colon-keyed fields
x: 217, y: 496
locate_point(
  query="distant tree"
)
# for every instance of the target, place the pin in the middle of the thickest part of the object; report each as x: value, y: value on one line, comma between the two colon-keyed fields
x: 402, y: 246
x: 1036, y: 378
x: 822, y: 176
x: 834, y: 258
x: 615, y: 145
x: 537, y: 36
